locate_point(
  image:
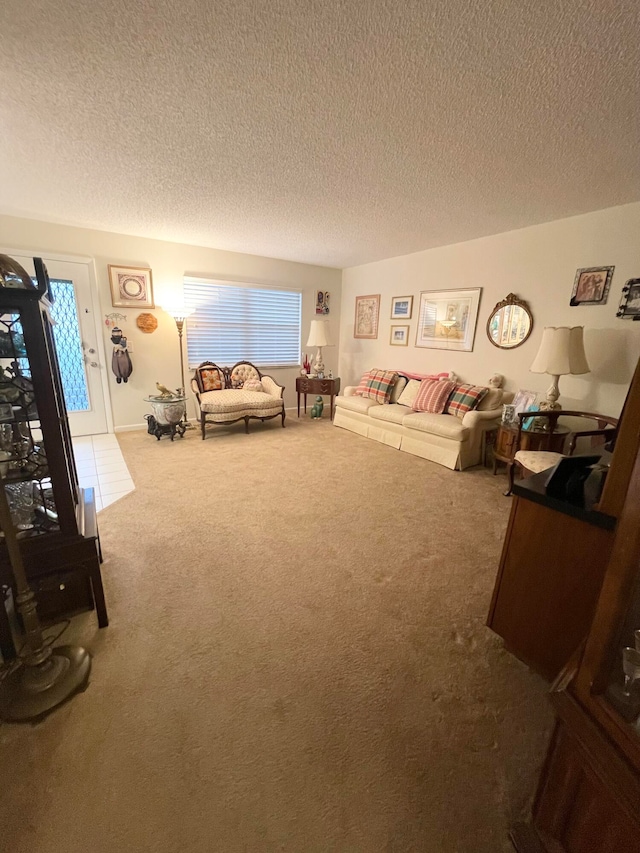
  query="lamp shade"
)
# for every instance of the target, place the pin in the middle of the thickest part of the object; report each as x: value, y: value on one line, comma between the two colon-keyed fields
x: 561, y: 352
x: 318, y: 334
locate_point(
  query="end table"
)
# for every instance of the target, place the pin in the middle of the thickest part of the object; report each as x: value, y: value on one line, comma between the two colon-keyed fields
x: 320, y: 387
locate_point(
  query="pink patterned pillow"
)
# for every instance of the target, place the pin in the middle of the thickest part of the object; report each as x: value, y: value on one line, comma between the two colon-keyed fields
x: 378, y: 386
x: 433, y: 395
x: 465, y: 398
x: 364, y: 382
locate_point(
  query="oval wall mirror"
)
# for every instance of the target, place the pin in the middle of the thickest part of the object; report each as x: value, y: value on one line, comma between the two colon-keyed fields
x: 510, y: 323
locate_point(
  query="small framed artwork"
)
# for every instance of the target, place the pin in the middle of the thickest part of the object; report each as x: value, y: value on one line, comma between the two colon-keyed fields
x: 630, y: 301
x: 367, y: 313
x: 401, y: 307
x: 591, y: 286
x: 524, y: 401
x: 322, y: 302
x: 447, y: 319
x: 399, y: 336
x: 131, y: 287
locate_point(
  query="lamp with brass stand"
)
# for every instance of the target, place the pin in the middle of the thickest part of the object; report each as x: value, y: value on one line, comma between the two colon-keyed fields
x: 180, y: 314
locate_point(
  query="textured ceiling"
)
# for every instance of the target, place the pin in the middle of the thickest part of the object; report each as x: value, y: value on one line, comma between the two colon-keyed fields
x: 323, y: 131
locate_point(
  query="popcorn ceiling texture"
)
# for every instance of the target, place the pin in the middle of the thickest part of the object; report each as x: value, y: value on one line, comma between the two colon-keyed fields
x: 297, y: 661
x: 322, y: 131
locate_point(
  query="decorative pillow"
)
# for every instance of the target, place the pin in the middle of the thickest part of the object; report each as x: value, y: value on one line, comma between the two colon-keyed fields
x: 408, y: 396
x: 398, y: 388
x: 210, y: 379
x: 378, y: 386
x: 253, y: 385
x: 432, y: 395
x: 493, y: 400
x: 465, y: 398
x: 364, y: 382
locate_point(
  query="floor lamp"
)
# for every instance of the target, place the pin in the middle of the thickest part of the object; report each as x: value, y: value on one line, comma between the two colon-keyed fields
x: 180, y: 315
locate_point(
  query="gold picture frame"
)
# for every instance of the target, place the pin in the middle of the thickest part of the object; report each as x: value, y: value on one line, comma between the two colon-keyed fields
x: 401, y: 307
x: 131, y: 287
x: 367, y: 315
x: 399, y: 336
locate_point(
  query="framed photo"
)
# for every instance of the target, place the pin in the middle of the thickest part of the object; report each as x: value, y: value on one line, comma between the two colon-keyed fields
x: 591, y: 286
x: 322, y: 302
x: 524, y: 400
x: 447, y: 319
x: 399, y: 336
x: 367, y: 313
x: 401, y: 307
x: 630, y: 301
x: 131, y: 287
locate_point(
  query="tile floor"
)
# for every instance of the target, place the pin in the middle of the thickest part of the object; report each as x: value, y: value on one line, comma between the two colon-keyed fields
x: 100, y: 464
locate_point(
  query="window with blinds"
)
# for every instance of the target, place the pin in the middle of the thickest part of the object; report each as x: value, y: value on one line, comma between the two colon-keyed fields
x: 233, y: 322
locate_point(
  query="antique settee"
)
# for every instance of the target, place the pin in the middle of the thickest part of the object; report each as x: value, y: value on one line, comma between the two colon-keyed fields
x: 227, y: 395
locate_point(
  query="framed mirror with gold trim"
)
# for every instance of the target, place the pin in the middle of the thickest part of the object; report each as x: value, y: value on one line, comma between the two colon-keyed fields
x: 510, y: 323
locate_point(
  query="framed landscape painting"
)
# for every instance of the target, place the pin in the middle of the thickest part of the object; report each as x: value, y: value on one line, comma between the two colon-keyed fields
x: 447, y: 319
x: 399, y: 336
x: 367, y: 313
x: 401, y: 307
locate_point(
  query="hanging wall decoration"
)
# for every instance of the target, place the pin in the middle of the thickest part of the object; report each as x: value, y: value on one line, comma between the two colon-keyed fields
x: 367, y: 313
x: 322, y: 302
x: 591, y: 286
x: 120, y: 358
x: 131, y: 287
x: 146, y: 323
x: 114, y: 318
x: 630, y: 302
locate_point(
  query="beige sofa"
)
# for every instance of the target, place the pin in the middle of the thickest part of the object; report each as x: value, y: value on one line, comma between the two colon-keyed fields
x: 454, y: 442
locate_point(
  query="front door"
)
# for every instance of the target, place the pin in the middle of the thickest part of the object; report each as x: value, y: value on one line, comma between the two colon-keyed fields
x: 76, y: 340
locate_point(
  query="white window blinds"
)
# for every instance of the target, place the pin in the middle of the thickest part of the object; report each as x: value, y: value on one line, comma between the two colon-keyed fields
x: 232, y: 322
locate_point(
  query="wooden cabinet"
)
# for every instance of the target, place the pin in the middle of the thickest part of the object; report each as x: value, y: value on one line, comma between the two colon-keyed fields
x: 588, y: 798
x: 320, y: 387
x: 55, y: 520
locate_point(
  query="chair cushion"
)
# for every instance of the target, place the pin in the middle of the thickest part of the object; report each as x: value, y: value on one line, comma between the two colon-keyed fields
x: 433, y: 395
x: 393, y: 413
x: 465, y: 398
x: 210, y: 378
x: 447, y: 426
x: 537, y: 460
x: 243, y: 372
x: 234, y: 400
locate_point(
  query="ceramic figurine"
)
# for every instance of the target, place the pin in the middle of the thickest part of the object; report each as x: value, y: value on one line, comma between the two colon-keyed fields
x: 316, y: 410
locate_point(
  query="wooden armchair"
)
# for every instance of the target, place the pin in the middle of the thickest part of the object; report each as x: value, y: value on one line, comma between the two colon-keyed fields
x: 598, y: 428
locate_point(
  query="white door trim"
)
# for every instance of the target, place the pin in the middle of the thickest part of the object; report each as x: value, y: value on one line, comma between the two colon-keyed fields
x: 97, y: 312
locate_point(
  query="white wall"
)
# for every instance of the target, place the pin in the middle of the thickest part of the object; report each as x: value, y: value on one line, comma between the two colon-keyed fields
x: 156, y: 356
x: 538, y: 264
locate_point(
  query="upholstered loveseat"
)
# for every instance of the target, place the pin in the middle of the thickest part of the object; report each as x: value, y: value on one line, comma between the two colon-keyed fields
x: 227, y: 395
x: 455, y: 441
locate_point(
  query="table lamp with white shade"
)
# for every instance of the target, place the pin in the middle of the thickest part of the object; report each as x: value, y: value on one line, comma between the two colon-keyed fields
x: 561, y: 353
x: 318, y: 338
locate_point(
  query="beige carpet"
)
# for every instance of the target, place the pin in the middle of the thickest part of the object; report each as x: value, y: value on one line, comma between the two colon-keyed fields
x: 297, y: 661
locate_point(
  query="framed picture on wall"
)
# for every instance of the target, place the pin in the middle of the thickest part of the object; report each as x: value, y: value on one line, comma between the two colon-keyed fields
x: 447, y: 319
x: 399, y: 336
x: 367, y: 313
x: 131, y: 287
x: 401, y: 307
x: 591, y: 286
x: 630, y: 302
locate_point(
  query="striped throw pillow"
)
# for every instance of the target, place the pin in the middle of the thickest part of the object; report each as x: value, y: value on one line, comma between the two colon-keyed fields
x: 378, y: 386
x: 433, y: 395
x: 465, y: 398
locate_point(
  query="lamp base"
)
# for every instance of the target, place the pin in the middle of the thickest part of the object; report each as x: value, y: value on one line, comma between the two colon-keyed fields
x: 31, y: 692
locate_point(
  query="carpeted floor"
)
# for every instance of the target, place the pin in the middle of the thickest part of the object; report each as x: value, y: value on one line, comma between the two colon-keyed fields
x: 297, y: 661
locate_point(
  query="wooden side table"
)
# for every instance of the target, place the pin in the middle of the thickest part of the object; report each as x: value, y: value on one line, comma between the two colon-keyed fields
x: 320, y: 387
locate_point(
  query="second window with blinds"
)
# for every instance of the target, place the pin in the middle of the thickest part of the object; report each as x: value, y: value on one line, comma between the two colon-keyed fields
x: 234, y: 322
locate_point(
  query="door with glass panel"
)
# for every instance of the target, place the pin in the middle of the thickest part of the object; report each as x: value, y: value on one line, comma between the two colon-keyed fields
x: 76, y: 340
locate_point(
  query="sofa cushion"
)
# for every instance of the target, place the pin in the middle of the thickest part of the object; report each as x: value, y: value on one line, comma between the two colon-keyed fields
x: 393, y: 413
x: 356, y: 404
x: 447, y: 426
x: 243, y: 372
x: 432, y: 395
x: 232, y: 400
x: 464, y: 399
x: 492, y: 400
x: 378, y: 386
x: 398, y: 388
x: 253, y: 385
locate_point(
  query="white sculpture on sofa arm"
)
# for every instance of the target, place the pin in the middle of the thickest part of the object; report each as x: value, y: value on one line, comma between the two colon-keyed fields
x: 452, y: 441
